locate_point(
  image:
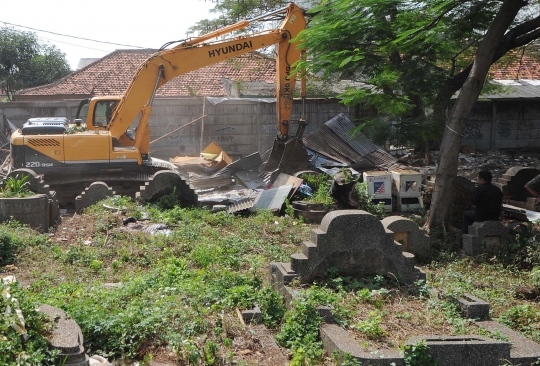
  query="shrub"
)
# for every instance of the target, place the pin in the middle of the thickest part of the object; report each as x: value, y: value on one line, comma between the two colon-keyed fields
x: 365, y: 201
x: 16, y: 187
x: 13, y: 350
x: 272, y: 307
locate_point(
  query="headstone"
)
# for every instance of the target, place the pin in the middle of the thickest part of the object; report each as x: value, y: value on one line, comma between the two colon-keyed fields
x: 96, y: 192
x: 484, y: 236
x: 353, y: 242
x: 66, y: 337
x: 413, y: 239
x: 165, y: 182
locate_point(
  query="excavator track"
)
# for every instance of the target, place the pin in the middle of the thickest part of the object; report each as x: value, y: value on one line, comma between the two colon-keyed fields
x: 69, y: 186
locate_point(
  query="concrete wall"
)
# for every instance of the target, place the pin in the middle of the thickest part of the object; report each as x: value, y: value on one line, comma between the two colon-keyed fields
x: 503, y: 125
x: 239, y: 126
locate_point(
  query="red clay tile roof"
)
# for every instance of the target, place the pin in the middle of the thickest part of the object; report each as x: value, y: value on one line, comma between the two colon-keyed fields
x: 525, y: 67
x: 112, y: 74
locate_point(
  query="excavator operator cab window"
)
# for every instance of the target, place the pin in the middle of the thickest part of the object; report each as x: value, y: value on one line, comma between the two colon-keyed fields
x: 103, y: 112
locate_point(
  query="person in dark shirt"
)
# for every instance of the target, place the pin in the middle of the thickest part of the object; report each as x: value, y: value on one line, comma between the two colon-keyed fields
x: 486, y: 201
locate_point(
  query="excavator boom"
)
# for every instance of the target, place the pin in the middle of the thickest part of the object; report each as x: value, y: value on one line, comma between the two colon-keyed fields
x: 55, y: 149
x: 197, y: 53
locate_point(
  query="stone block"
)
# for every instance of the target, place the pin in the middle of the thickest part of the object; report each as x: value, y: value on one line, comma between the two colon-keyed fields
x: 96, y: 192
x: 464, y: 350
x: 253, y: 316
x: 524, y: 351
x: 337, y: 339
x: 32, y: 211
x: 413, y: 239
x: 357, y: 244
x: 66, y: 337
x: 165, y: 182
x: 473, y: 308
x: 485, y: 236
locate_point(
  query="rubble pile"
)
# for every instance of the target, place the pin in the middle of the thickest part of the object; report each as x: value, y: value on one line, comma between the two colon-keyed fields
x: 470, y: 163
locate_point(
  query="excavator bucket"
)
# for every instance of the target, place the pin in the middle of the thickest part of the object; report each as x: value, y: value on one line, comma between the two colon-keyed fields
x: 288, y: 156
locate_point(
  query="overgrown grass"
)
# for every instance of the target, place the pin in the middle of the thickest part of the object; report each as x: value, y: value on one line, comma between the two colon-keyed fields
x: 179, y: 293
x: 14, y: 349
x: 175, y: 289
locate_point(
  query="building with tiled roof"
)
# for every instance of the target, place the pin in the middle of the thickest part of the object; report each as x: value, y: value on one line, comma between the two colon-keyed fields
x: 112, y: 74
x: 525, y: 67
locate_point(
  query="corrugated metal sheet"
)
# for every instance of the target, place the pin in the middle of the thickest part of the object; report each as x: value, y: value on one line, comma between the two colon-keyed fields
x: 241, y: 205
x: 210, y: 182
x: 344, y: 128
x: 250, y: 162
x: 252, y: 179
x: 273, y: 198
x: 323, y: 140
x: 334, y: 141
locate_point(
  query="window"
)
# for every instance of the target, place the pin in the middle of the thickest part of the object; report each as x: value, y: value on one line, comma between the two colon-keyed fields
x: 103, y: 112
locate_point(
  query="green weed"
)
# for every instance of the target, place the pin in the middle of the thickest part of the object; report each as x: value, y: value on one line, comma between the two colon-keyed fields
x: 16, y: 187
x: 371, y: 326
x: 272, y: 307
x: 14, y: 351
x: 417, y: 355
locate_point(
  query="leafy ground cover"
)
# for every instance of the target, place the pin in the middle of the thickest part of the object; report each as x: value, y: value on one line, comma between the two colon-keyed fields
x: 179, y: 293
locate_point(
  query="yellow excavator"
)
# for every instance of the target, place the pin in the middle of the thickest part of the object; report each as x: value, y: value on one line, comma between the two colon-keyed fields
x: 106, y: 151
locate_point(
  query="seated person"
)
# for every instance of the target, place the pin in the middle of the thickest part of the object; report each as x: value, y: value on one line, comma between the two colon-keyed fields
x: 533, y: 187
x: 486, y: 201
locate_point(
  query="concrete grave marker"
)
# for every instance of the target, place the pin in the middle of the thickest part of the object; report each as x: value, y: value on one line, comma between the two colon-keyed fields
x: 356, y: 244
x: 413, y: 239
x: 96, y: 192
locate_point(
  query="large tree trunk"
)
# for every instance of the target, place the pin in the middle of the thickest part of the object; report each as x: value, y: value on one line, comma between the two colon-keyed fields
x: 455, y: 124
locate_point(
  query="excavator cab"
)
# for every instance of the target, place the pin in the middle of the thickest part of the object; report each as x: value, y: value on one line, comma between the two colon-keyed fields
x: 97, y: 112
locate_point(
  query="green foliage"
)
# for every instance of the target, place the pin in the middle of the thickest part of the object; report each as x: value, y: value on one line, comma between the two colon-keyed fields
x: 14, y: 238
x: 230, y: 12
x: 495, y: 335
x: 410, y: 56
x: 320, y: 184
x: 348, y: 359
x: 272, y: 307
x: 13, y: 350
x: 417, y: 355
x: 168, y: 201
x: 300, y: 329
x: 176, y: 290
x: 365, y: 201
x: 371, y: 326
x: 524, y: 318
x: 15, y: 187
x: 75, y: 129
x: 25, y: 62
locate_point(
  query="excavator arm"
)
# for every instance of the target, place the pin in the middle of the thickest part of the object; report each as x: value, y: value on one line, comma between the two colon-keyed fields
x: 195, y: 54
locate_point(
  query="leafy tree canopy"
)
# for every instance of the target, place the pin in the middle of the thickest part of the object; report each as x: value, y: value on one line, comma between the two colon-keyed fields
x: 25, y: 62
x: 412, y: 55
x: 232, y: 11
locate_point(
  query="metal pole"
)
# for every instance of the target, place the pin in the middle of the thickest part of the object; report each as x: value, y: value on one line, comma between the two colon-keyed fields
x: 202, y: 125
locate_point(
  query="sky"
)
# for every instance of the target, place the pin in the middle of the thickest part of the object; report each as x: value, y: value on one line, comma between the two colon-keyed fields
x: 147, y: 24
